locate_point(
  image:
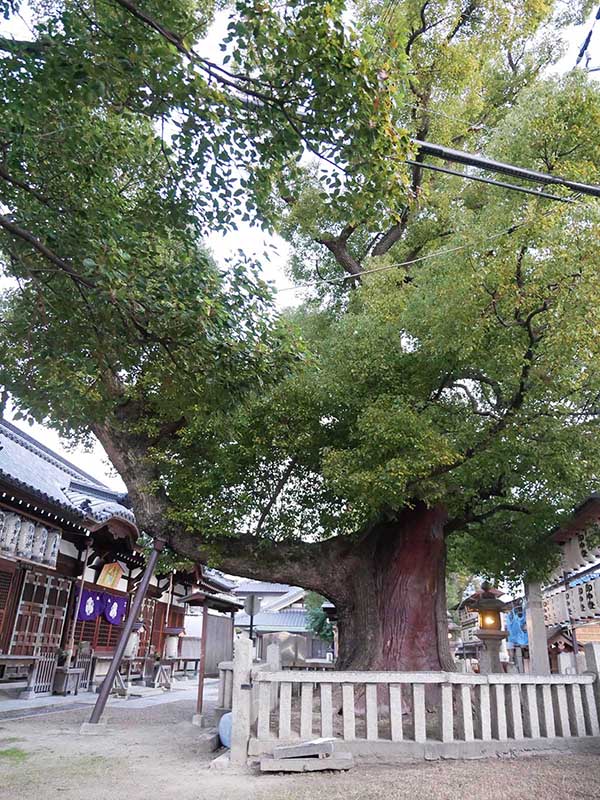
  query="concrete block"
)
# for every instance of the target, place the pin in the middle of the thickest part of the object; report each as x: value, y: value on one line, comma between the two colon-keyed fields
x: 93, y: 728
x: 221, y: 762
x: 208, y: 741
x: 314, y: 748
x: 339, y: 761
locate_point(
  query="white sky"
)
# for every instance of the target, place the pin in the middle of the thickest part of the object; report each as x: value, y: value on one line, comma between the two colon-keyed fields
x: 251, y: 240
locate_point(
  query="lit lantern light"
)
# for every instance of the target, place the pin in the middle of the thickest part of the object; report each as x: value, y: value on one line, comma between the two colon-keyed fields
x: 489, y: 620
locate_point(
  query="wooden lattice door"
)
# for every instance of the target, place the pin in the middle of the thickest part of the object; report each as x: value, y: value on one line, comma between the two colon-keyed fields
x: 6, y: 581
x: 41, y: 614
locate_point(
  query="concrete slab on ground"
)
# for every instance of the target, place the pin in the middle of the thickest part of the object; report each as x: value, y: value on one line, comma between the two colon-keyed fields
x: 336, y: 762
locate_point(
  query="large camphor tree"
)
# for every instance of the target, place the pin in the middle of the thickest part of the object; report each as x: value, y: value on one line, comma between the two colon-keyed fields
x: 439, y: 388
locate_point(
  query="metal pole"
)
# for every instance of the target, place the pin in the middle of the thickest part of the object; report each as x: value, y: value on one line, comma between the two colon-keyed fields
x: 134, y: 611
x: 202, y: 662
x: 71, y: 642
x: 460, y: 157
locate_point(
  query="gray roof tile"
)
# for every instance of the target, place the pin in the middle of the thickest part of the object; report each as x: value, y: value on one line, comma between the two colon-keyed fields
x: 259, y: 587
x: 27, y: 464
x: 293, y: 620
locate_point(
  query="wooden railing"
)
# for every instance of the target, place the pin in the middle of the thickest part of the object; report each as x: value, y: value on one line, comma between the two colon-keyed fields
x: 448, y: 713
x: 45, y: 669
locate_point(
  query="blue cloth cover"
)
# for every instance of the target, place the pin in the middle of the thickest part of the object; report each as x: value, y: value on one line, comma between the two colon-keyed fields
x: 517, y: 629
x: 94, y: 603
x: 114, y: 609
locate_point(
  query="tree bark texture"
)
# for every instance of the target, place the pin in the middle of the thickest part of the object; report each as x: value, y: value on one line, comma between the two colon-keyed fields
x: 391, y: 599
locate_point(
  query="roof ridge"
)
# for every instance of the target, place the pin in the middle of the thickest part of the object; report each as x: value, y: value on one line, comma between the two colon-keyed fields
x: 101, y: 492
x: 29, y: 442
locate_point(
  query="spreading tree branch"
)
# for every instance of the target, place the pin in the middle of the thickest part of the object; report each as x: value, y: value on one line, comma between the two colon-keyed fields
x: 338, y: 246
x: 471, y: 518
x: 26, y: 236
x: 279, y: 486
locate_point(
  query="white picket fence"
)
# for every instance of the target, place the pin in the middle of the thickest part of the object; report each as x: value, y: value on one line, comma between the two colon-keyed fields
x: 405, y: 714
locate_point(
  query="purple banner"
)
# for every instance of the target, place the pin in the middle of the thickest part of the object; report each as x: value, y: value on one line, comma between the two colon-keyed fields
x: 114, y: 609
x: 91, y: 606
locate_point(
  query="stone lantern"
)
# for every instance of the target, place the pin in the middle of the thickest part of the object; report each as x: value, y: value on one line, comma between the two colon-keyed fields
x: 133, y: 642
x: 172, y: 635
x: 454, y: 632
x: 489, y: 608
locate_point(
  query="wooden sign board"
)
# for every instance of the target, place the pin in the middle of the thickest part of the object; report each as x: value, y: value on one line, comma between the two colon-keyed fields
x: 110, y: 576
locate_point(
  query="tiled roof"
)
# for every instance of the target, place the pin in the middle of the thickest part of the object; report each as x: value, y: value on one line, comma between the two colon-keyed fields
x: 293, y: 620
x: 29, y: 465
x: 283, y: 601
x: 217, y: 578
x: 258, y: 587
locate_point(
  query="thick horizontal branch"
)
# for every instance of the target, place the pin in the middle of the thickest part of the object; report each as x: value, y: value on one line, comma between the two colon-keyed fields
x: 20, y: 46
x: 471, y: 518
x: 26, y: 236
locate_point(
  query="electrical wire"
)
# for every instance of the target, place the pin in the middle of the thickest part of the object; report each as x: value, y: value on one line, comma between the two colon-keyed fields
x: 451, y: 117
x: 490, y: 181
x: 429, y: 256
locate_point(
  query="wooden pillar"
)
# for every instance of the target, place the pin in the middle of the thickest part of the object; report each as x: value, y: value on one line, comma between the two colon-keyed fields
x: 71, y: 643
x: 202, y: 662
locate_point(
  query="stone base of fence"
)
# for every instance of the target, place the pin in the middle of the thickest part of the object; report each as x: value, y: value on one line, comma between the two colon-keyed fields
x: 398, y: 752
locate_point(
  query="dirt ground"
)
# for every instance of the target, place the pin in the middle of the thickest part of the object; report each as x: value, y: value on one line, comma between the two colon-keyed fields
x: 153, y: 753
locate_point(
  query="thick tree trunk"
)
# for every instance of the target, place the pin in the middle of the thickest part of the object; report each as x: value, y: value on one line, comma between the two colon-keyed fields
x: 391, y: 598
x: 388, y: 585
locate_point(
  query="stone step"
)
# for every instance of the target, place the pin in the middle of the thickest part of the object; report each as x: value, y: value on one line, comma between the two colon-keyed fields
x: 337, y: 761
x: 315, y: 747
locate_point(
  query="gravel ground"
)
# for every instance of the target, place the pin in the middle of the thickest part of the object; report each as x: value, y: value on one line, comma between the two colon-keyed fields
x: 153, y: 752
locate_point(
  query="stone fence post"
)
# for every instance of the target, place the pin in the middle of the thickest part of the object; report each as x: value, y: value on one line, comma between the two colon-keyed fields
x: 592, y: 664
x: 536, y: 630
x: 241, y: 701
x: 274, y: 665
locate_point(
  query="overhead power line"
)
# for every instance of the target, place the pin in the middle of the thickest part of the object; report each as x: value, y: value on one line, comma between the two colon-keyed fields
x: 513, y: 187
x: 473, y: 246
x: 471, y: 160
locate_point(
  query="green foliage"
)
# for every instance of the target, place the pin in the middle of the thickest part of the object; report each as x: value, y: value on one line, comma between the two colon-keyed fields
x: 317, y: 618
x: 462, y: 372
x: 14, y: 754
x: 168, y: 561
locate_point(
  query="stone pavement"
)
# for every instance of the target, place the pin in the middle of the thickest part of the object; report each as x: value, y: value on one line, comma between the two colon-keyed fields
x: 141, y: 697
